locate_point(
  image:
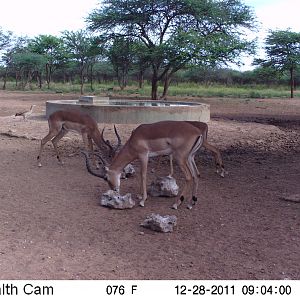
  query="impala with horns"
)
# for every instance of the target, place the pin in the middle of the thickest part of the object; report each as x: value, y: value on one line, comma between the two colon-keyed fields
x: 62, y: 121
x: 178, y: 138
x: 203, y: 129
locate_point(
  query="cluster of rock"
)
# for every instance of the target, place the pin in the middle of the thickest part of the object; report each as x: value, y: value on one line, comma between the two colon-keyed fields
x: 161, y: 187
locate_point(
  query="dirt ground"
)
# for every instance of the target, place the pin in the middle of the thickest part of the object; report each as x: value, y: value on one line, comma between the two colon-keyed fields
x: 243, y: 226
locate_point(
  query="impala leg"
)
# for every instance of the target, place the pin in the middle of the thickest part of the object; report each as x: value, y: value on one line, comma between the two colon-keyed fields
x: 44, y: 141
x: 171, y: 166
x: 195, y: 173
x: 144, y: 166
x: 188, y: 180
x: 88, y: 144
x: 56, y: 139
x: 218, y: 158
x: 193, y: 170
x: 91, y: 149
x: 195, y: 166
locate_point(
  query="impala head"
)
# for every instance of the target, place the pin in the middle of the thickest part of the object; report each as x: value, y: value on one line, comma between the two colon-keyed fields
x: 112, y: 177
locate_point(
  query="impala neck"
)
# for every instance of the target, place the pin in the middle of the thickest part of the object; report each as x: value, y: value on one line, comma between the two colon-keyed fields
x: 122, y: 159
x: 98, y: 140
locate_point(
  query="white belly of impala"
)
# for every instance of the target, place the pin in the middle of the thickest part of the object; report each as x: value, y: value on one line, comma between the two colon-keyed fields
x: 160, y: 152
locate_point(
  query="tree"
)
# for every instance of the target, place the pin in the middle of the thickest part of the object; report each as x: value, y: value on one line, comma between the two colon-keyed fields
x: 283, y: 53
x: 5, y: 38
x: 17, y: 46
x: 121, y: 57
x: 177, y: 32
x: 29, y: 65
x: 51, y: 47
x: 141, y: 61
x: 81, y: 48
x: 5, y: 43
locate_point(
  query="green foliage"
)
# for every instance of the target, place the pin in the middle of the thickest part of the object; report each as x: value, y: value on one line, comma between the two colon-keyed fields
x: 27, y: 65
x: 82, y: 48
x: 121, y: 55
x: 175, y: 32
x: 147, y: 44
x: 283, y: 49
x: 5, y: 38
x: 283, y: 53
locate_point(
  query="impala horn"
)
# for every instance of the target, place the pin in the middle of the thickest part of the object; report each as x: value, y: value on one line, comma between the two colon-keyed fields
x: 106, y: 142
x: 102, y: 173
x: 113, y: 150
x: 119, y: 140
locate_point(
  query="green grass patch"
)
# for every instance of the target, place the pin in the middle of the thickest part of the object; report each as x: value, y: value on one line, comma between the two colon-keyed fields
x: 179, y: 90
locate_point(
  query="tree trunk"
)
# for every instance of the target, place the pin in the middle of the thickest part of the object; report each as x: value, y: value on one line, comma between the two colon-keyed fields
x: 166, y: 86
x: 81, y: 78
x: 141, y: 78
x: 91, y: 74
x: 292, y: 82
x: 39, y: 78
x: 16, y: 78
x: 154, y: 87
x: 48, y: 75
x: 4, y: 79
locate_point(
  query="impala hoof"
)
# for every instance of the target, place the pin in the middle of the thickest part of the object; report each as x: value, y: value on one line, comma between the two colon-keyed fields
x: 142, y: 203
x: 175, y: 206
x: 189, y: 206
x: 221, y: 173
x: 39, y: 164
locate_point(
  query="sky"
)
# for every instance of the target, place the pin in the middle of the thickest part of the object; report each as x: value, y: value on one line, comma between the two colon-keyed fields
x: 34, y: 17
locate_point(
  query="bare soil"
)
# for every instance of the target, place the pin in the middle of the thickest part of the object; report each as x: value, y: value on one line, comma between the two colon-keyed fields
x: 244, y: 226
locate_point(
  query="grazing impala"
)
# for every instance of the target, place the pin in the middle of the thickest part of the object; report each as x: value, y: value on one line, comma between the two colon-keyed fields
x: 203, y: 129
x: 178, y: 138
x: 61, y: 122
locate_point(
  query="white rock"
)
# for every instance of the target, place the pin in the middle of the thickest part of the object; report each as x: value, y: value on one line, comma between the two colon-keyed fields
x: 164, y: 187
x: 113, y: 199
x: 160, y: 223
x: 128, y: 171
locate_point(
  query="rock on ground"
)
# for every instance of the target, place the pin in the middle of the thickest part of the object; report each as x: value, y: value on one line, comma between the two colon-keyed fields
x: 164, y: 187
x: 113, y: 199
x: 160, y: 223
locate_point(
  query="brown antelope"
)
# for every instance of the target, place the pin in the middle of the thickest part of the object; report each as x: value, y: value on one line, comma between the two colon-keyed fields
x: 178, y: 138
x: 62, y: 121
x: 203, y: 129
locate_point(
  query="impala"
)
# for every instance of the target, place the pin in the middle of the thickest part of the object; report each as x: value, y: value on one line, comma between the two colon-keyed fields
x: 61, y: 122
x: 203, y: 129
x: 178, y: 138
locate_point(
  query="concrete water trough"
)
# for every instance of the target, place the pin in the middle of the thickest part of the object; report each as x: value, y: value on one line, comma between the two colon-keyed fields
x: 104, y: 110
